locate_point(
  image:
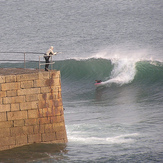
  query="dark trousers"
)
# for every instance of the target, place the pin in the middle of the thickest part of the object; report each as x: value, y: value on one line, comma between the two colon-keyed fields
x: 47, y: 61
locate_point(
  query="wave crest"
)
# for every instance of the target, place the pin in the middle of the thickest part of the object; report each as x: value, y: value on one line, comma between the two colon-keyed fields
x: 110, y: 71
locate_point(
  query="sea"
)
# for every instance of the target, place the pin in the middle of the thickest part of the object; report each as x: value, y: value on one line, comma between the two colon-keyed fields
x: 117, y: 41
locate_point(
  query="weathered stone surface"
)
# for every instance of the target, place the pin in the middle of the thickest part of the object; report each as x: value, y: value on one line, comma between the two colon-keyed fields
x: 15, y: 107
x: 11, y: 93
x: 2, y: 79
x: 17, y: 115
x: 13, y: 100
x: 10, y: 86
x: 4, y: 108
x: 3, y: 116
x: 28, y: 91
x: 19, y: 123
x: 31, y: 109
x: 34, y: 138
x: 25, y: 77
x: 6, y: 124
x: 10, y: 78
x: 2, y: 94
x: 26, y: 84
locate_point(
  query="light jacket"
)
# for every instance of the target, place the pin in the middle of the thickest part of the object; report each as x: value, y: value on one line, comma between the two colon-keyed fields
x: 50, y: 52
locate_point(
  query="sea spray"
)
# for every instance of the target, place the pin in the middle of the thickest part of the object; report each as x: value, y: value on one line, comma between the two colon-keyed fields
x: 123, y: 72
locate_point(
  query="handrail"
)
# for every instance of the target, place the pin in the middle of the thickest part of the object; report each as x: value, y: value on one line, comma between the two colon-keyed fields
x: 23, y: 52
x: 28, y: 60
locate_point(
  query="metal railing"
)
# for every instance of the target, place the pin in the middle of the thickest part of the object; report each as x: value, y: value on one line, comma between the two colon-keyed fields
x: 51, y: 62
x: 25, y: 58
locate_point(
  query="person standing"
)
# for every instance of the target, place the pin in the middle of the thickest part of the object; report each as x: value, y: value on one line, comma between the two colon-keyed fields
x: 47, y: 56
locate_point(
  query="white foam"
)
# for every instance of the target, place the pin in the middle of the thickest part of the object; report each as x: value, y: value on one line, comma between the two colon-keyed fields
x: 123, y: 72
x: 124, y: 138
x: 124, y: 62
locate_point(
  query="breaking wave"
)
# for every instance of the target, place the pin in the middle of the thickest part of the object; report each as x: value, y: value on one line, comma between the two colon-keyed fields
x: 111, y: 71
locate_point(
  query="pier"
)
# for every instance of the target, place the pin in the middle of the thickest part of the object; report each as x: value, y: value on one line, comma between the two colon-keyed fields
x: 31, y: 108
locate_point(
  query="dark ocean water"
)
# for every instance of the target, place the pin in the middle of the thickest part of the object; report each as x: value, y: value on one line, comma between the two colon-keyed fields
x: 118, y: 42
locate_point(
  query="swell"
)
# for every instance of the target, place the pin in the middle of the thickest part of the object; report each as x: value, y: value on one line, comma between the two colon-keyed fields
x: 149, y: 72
x: 84, y: 69
x: 118, y: 71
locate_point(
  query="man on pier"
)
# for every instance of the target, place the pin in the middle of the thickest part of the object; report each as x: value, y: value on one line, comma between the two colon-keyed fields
x: 47, y: 56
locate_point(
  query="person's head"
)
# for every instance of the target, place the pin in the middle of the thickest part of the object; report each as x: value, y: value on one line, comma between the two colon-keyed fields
x: 51, y: 47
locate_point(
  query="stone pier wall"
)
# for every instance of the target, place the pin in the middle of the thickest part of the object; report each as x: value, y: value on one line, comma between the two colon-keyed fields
x: 31, y: 109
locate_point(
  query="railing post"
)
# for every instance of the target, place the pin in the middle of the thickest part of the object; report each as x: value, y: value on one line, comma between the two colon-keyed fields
x: 39, y: 63
x: 24, y: 61
x: 51, y: 64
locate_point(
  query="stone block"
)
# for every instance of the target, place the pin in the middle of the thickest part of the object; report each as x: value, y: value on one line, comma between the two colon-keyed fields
x: 15, y: 131
x: 28, y: 130
x: 33, y: 97
x: 56, y: 88
x: 49, y: 128
x: 18, y: 123
x: 56, y: 111
x: 2, y: 94
x: 2, y: 79
x: 33, y: 113
x: 10, y: 78
x: 57, y: 94
x: 57, y: 119
x: 48, y: 96
x: 10, y: 86
x: 46, y: 90
x: 6, y: 124
x: 25, y: 77
x: 34, y: 138
x: 17, y: 99
x: 15, y: 115
x: 26, y: 84
x: 49, y: 82
x: 47, y: 137
x: 39, y: 128
x: 4, y: 132
x: 15, y: 107
x: 7, y: 141
x: 44, y: 120
x: 21, y: 130
x: 57, y: 82
x: 57, y: 102
x: 4, y: 108
x: 55, y: 74
x: 47, y: 112
x: 29, y: 122
x: 28, y: 91
x: 43, y: 75
x: 39, y: 83
x: 59, y: 126
x: 11, y: 93
x: 61, y: 135
x: 21, y: 140
x: 3, y: 116
x: 29, y: 105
